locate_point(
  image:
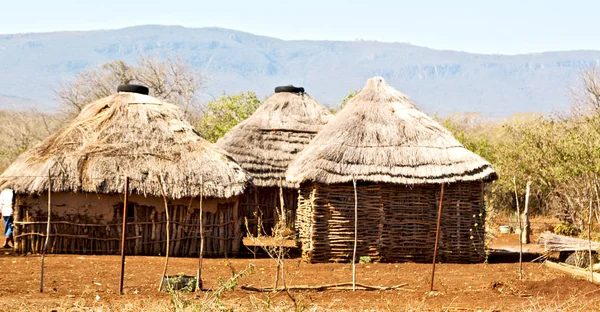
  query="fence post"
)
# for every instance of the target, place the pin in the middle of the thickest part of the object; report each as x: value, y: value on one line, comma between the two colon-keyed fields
x: 47, y: 230
x: 124, y: 235
x: 437, y: 234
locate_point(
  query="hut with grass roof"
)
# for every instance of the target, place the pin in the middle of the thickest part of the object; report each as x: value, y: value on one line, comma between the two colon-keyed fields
x: 399, y: 158
x: 133, y: 135
x: 266, y: 143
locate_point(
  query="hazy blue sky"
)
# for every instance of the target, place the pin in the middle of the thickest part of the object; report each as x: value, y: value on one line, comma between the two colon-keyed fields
x: 500, y: 26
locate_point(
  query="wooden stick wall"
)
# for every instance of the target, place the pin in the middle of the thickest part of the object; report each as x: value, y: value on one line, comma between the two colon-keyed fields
x: 396, y: 223
x: 264, y: 202
x: 146, y: 232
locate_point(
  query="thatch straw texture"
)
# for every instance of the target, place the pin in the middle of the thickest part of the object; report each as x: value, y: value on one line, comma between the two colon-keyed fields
x: 127, y: 134
x: 266, y: 142
x: 380, y: 136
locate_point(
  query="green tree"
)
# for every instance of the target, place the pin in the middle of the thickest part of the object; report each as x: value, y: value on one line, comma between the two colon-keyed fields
x: 224, y: 113
x: 345, y: 100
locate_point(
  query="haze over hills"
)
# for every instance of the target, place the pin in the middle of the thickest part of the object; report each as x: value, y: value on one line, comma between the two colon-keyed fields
x: 32, y: 65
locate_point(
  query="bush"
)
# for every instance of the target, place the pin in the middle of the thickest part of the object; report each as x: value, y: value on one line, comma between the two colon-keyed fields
x: 365, y: 259
x: 567, y: 229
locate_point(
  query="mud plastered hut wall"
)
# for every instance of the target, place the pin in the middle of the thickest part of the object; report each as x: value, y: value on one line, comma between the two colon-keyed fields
x: 399, y: 157
x: 143, y: 138
x: 265, y: 144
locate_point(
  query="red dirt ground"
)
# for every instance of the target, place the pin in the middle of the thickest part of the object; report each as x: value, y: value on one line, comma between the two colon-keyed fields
x: 76, y: 283
x: 91, y: 282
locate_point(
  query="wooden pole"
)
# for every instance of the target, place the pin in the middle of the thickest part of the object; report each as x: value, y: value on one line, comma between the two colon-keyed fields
x: 281, y: 205
x: 590, y: 243
x: 437, y: 234
x: 124, y: 234
x: 520, y: 229
x: 47, y: 231
x: 162, y: 190
x: 355, y: 235
x: 199, y: 273
x: 526, y: 225
x: 279, y: 229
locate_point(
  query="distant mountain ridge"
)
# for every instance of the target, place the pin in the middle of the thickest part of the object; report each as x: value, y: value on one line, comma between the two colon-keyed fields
x: 32, y: 65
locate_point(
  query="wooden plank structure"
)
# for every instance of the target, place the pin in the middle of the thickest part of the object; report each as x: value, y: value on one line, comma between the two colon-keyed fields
x: 128, y: 134
x: 399, y: 157
x: 574, y: 271
x: 265, y: 144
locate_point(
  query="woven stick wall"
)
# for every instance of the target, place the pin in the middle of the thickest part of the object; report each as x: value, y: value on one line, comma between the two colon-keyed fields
x: 264, y: 202
x: 396, y: 223
x: 146, y: 232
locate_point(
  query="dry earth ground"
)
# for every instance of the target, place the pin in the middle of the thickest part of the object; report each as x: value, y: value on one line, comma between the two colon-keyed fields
x: 91, y: 282
x: 83, y: 283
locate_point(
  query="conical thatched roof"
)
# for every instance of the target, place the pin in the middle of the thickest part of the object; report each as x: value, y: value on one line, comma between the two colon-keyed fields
x: 380, y: 136
x: 266, y: 142
x: 127, y: 134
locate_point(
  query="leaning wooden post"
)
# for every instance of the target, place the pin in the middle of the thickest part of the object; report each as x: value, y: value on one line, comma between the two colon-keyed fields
x: 47, y: 231
x: 199, y: 273
x: 437, y: 234
x: 526, y: 225
x: 282, y: 205
x: 520, y: 229
x: 162, y: 190
x: 124, y: 235
x: 355, y: 234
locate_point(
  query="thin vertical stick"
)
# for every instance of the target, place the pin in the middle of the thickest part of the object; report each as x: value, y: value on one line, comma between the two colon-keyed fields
x: 47, y: 231
x: 162, y: 190
x: 279, y: 230
x: 590, y: 243
x: 520, y: 229
x: 526, y: 225
x: 282, y: 204
x: 124, y: 234
x: 437, y: 235
x: 199, y: 273
x: 355, y: 235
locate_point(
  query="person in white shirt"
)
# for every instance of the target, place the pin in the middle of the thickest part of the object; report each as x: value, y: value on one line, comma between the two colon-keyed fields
x: 6, y: 208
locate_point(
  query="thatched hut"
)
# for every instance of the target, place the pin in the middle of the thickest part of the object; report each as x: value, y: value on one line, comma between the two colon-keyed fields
x: 266, y: 143
x: 399, y: 157
x: 126, y: 135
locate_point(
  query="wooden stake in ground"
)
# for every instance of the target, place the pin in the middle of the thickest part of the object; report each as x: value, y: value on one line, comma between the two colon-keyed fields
x: 520, y: 229
x: 199, y: 273
x: 590, y: 243
x: 526, y: 225
x: 355, y: 235
x: 124, y: 234
x: 162, y: 190
x: 47, y: 231
x: 437, y: 234
x: 282, y: 229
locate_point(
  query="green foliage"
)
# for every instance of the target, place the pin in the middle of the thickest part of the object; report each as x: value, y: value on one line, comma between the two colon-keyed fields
x: 211, y: 301
x: 558, y: 154
x: 345, y: 100
x: 567, y: 229
x: 225, y: 112
x: 365, y: 259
